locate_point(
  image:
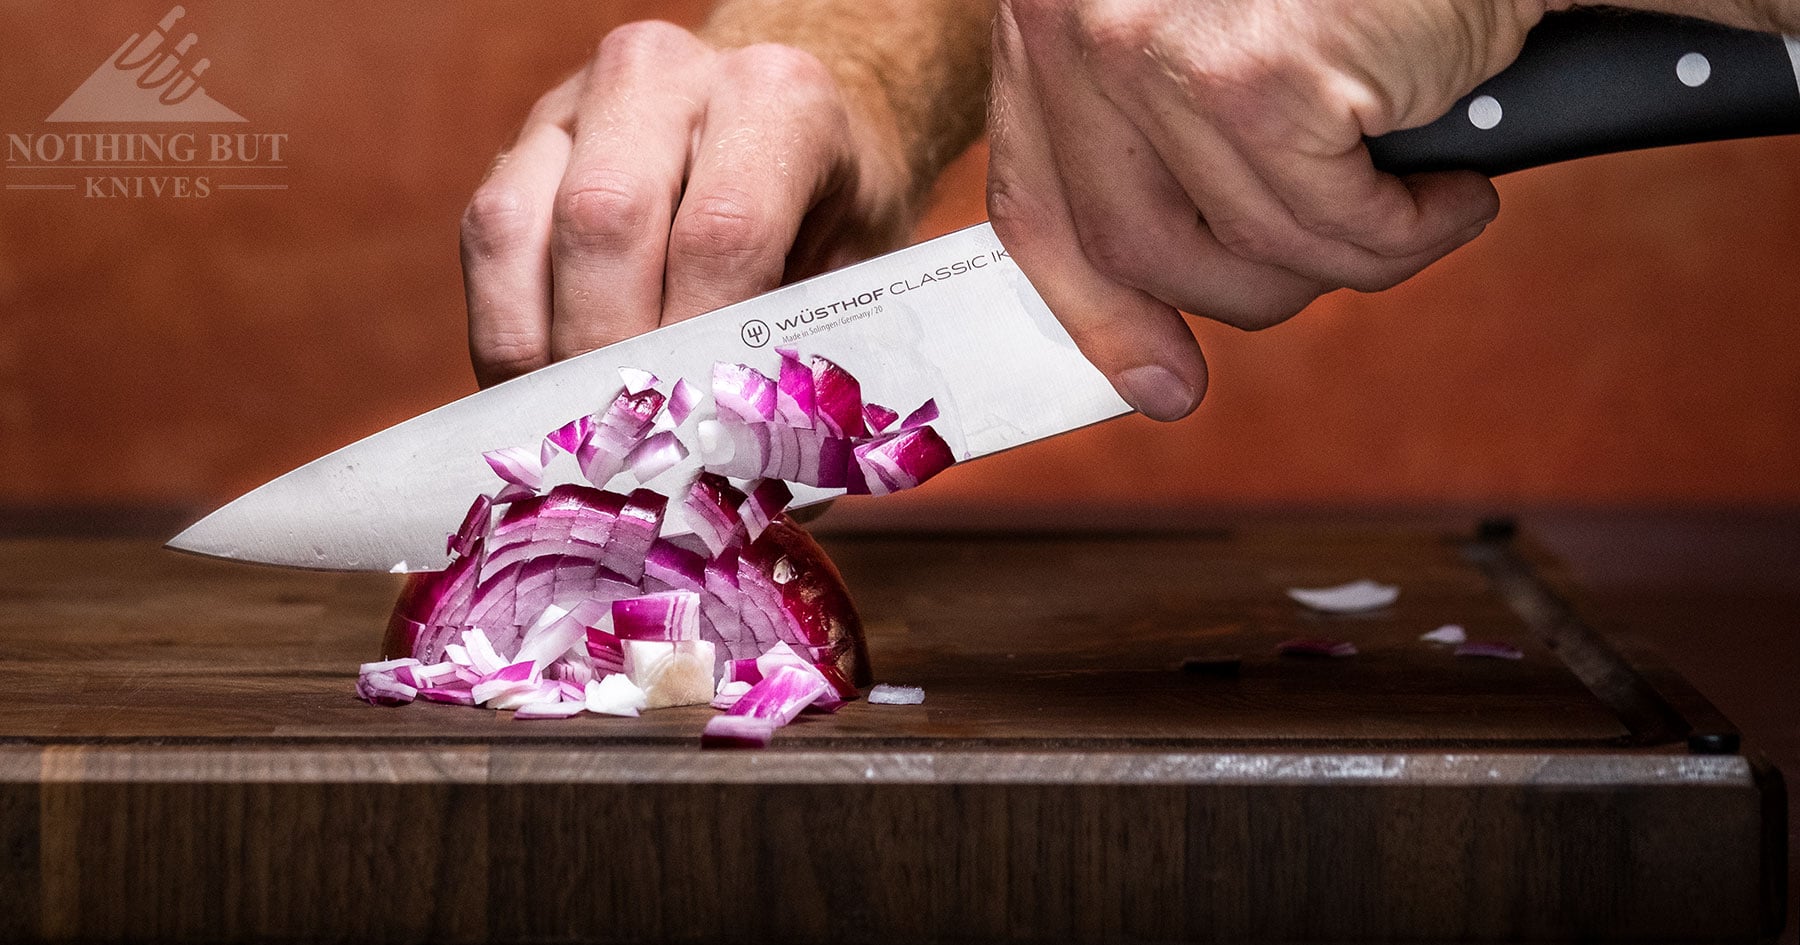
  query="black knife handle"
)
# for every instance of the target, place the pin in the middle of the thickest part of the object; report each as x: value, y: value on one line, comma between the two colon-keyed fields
x: 1596, y: 81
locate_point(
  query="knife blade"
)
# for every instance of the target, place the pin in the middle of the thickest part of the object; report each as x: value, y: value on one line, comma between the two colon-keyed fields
x: 955, y: 319
x: 952, y: 318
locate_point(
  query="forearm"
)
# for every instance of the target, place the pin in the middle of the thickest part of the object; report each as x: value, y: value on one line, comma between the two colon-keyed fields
x: 915, y: 70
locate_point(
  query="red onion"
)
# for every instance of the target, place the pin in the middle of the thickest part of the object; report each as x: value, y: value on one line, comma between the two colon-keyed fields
x: 672, y: 615
x: 636, y: 381
x: 927, y: 412
x: 767, y: 499
x: 884, y: 694
x: 744, y: 391
x: 737, y: 731
x: 903, y: 461
x: 517, y: 465
x: 837, y: 398
x: 683, y: 398
x: 878, y: 418
x: 794, y: 393
x: 781, y: 695
x: 655, y: 455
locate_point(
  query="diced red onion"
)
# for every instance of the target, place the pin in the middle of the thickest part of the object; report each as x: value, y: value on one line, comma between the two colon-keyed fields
x: 729, y: 692
x: 1449, y: 633
x: 767, y: 499
x: 744, y: 391
x: 475, y: 526
x: 737, y: 731
x: 927, y: 412
x: 636, y: 380
x: 570, y: 436
x: 517, y: 465
x: 794, y: 393
x: 713, y: 504
x: 683, y: 398
x: 549, y: 710
x: 1316, y: 647
x: 671, y: 673
x: 837, y: 399
x: 615, y: 695
x: 884, y: 694
x: 781, y: 695
x: 513, y: 492
x: 387, y: 665
x: 635, y: 530
x: 525, y: 694
x: 903, y: 461
x: 878, y: 418
x: 381, y: 688
x: 452, y: 694
x: 673, y: 615
x: 744, y: 671
x: 674, y: 566
x: 657, y: 454
x: 1490, y: 650
x: 483, y: 658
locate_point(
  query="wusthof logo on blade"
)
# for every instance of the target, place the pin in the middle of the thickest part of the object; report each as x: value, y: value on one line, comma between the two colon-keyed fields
x: 154, y: 76
x: 754, y: 333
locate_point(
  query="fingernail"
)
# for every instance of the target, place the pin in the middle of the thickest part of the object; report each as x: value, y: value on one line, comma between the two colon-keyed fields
x: 1157, y: 392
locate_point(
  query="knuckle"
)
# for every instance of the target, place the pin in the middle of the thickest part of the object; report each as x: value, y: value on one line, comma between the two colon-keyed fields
x: 1256, y: 242
x: 497, y: 220
x: 719, y: 229
x: 604, y: 212
x: 643, y: 41
x: 1113, y: 253
x: 499, y: 357
x: 778, y: 66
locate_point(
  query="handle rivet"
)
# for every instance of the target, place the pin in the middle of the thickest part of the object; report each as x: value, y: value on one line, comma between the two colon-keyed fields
x: 1693, y: 70
x: 1484, y: 112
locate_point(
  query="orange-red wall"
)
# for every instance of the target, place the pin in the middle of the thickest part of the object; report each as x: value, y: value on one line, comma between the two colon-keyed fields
x: 1627, y: 332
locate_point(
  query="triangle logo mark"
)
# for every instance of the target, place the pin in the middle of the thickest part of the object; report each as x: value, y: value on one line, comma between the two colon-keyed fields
x: 147, y: 79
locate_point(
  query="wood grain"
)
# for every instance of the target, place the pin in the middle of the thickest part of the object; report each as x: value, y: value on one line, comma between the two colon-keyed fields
x: 184, y: 761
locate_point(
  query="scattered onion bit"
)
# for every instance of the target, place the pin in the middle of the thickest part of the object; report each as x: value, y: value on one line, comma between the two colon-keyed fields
x: 1310, y: 647
x: 737, y: 731
x: 1491, y: 650
x: 1449, y: 633
x: 884, y: 694
x: 1354, y: 597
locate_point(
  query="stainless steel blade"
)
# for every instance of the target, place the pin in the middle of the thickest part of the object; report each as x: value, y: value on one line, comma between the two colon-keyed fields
x: 952, y: 318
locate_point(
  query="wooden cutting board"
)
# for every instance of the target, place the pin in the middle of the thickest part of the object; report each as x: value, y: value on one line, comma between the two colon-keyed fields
x: 182, y: 758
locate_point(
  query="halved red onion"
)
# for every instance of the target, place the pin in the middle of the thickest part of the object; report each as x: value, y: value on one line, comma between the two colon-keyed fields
x: 737, y: 731
x: 672, y: 615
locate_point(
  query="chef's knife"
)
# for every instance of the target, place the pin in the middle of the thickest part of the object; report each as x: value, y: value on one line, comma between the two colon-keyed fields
x: 953, y: 318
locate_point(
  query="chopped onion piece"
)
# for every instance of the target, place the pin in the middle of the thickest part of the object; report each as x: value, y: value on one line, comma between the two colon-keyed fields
x: 636, y: 381
x: 1354, y: 597
x: 452, y: 694
x: 837, y: 399
x: 571, y: 436
x: 729, y: 693
x: 683, y: 398
x: 884, y: 694
x: 794, y: 393
x: 781, y: 695
x: 381, y: 688
x: 672, y: 615
x: 927, y: 412
x: 671, y: 672
x: 475, y: 526
x: 517, y: 465
x: 765, y: 503
x: 525, y: 694
x: 1449, y: 633
x: 878, y: 418
x: 387, y: 665
x: 1493, y: 651
x: 549, y: 710
x: 903, y: 461
x: 657, y: 454
x: 615, y: 695
x: 1313, y: 647
x: 737, y: 731
x: 743, y: 390
x: 483, y: 658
